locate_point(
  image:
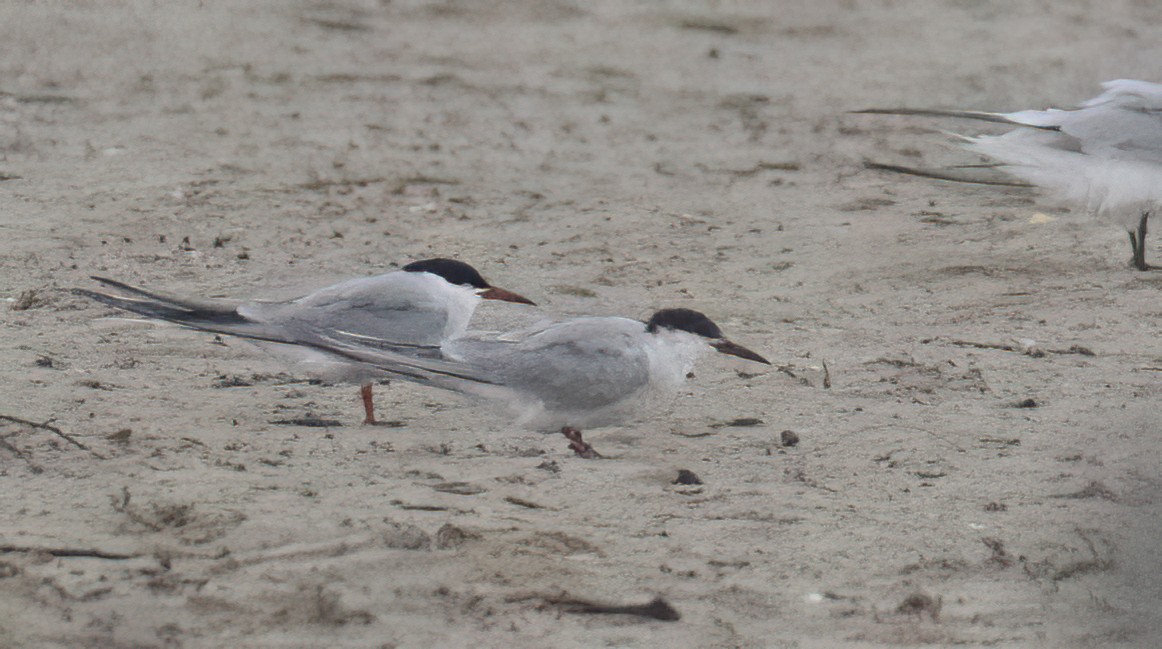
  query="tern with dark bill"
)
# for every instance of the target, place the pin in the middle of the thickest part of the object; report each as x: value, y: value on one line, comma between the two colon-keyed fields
x: 413, y: 310
x: 572, y: 375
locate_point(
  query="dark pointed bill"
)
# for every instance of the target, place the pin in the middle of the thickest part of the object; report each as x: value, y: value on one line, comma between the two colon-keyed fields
x: 734, y: 349
x: 494, y: 293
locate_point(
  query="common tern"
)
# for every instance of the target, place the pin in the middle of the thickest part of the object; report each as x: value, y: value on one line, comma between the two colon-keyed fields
x: 1105, y: 155
x: 575, y: 374
x: 416, y: 309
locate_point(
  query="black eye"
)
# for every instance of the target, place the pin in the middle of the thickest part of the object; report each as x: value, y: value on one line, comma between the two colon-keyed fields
x: 453, y: 271
x: 684, y: 320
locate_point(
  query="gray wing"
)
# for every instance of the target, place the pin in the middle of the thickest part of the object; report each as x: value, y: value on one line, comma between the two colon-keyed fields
x: 577, y: 365
x: 1105, y: 155
x: 1115, y: 132
x: 392, y: 310
x: 223, y: 317
x: 1123, y: 123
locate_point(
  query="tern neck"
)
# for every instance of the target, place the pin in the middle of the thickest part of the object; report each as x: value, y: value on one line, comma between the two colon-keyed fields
x: 672, y: 355
x: 462, y: 302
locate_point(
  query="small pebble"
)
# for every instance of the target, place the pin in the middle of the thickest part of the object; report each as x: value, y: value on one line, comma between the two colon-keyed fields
x: 550, y: 465
x: 686, y: 476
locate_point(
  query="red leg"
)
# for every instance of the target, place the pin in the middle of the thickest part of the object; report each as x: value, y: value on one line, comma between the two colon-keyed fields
x: 579, y: 446
x: 368, y: 405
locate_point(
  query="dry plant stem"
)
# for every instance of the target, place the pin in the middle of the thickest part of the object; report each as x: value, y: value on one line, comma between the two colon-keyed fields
x: 658, y: 609
x: 68, y: 552
x: 53, y: 429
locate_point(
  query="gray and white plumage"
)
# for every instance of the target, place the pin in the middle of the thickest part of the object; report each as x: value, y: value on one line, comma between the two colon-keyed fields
x: 579, y: 373
x: 1105, y: 155
x: 412, y: 311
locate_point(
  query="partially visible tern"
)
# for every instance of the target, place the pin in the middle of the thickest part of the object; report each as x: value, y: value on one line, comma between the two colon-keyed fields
x: 413, y: 310
x: 1105, y: 155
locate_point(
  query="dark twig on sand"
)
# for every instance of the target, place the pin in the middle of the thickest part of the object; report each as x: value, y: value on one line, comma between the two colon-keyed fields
x: 53, y: 429
x: 68, y: 552
x: 659, y: 609
x: 310, y: 421
x: 521, y: 502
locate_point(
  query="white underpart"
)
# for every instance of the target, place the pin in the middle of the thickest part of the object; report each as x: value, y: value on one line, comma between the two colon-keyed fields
x: 1106, y: 155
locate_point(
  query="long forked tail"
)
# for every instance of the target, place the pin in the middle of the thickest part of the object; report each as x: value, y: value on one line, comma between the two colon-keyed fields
x: 980, y: 116
x: 399, y: 361
x: 972, y: 174
x: 199, y: 314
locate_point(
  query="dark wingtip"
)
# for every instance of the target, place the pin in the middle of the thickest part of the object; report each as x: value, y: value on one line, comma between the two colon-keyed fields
x: 84, y: 292
x: 952, y: 174
x: 978, y: 115
x: 107, y: 300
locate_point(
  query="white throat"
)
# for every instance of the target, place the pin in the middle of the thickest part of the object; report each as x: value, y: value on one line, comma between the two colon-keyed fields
x: 672, y: 355
x: 459, y: 301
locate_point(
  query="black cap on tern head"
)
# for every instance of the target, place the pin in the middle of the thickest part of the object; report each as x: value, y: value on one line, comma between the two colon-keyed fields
x: 696, y: 323
x: 453, y: 271
x: 461, y: 274
x: 684, y: 320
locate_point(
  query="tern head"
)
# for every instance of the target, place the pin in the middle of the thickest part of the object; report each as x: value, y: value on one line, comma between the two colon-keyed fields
x: 694, y: 322
x: 459, y: 273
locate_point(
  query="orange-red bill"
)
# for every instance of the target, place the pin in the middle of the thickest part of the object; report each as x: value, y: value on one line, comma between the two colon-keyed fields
x: 735, y: 349
x: 495, y: 293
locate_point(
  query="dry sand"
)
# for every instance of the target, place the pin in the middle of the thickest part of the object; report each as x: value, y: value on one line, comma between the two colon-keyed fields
x: 602, y: 158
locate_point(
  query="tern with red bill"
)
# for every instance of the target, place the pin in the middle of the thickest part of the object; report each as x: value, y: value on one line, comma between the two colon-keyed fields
x: 413, y: 310
x: 575, y: 374
x: 1105, y: 155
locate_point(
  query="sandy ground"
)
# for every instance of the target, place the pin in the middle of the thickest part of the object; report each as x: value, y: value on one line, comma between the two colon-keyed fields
x: 602, y: 158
